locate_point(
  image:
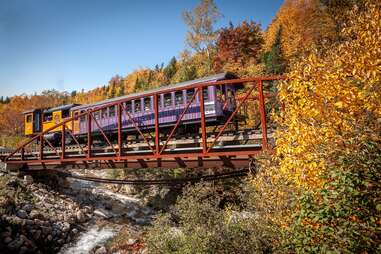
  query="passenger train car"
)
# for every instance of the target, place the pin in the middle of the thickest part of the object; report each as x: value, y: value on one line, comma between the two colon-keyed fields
x: 219, y: 102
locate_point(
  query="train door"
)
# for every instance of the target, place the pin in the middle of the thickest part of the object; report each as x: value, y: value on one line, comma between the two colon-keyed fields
x: 37, y: 121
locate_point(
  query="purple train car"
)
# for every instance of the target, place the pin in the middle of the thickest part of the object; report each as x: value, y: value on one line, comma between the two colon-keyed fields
x: 219, y: 102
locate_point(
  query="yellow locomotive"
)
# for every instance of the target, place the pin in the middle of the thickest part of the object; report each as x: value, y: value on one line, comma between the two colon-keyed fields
x: 39, y: 120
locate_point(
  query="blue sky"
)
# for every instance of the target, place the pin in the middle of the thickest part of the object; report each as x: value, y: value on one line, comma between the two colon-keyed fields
x: 80, y: 44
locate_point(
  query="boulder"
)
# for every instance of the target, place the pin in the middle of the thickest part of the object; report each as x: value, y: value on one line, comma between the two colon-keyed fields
x: 7, y: 240
x: 27, y: 208
x: 103, y: 213
x: 80, y: 216
x: 22, y: 214
x: 101, y: 250
x: 15, y: 244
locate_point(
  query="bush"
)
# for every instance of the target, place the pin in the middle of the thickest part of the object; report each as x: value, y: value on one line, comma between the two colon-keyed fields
x: 344, y: 215
x: 201, y: 222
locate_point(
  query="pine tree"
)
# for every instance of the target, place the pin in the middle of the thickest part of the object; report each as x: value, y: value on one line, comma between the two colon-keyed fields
x: 273, y: 59
x: 170, y: 69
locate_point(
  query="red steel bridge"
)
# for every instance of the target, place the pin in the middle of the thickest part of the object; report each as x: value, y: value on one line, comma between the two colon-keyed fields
x: 212, y: 147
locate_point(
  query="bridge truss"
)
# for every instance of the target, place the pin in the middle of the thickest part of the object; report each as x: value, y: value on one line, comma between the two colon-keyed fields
x: 212, y: 147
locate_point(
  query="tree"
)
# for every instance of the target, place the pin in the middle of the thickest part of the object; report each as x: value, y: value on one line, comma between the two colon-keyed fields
x: 170, y: 69
x: 201, y: 34
x: 239, y: 44
x: 306, y: 24
x: 273, y: 59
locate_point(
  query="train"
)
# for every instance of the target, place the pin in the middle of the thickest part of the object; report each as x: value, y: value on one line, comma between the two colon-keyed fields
x: 219, y: 102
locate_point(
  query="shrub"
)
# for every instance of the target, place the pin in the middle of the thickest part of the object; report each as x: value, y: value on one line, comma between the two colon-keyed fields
x: 198, y: 223
x: 344, y: 215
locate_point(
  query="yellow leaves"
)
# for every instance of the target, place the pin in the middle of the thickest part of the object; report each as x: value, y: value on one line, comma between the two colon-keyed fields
x: 331, y: 99
x: 339, y: 104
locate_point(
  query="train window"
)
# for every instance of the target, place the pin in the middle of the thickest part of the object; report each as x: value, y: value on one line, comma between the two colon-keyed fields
x: 147, y: 104
x: 230, y: 94
x: 190, y: 93
x: 111, y: 111
x: 219, y: 93
x: 82, y: 118
x: 179, y: 98
x: 48, y: 117
x: 29, y: 118
x: 104, y: 113
x: 205, y: 93
x: 96, y: 115
x: 128, y: 107
x: 167, y: 100
x: 138, y: 106
x: 159, y: 101
x: 65, y: 113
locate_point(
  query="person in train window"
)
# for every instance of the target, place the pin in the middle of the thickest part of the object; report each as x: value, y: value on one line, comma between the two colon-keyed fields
x: 190, y: 93
x: 129, y: 107
x: 159, y: 99
x: 167, y: 100
x: 147, y: 104
x: 138, y: 107
x: 179, y: 99
x: 104, y: 113
x: 111, y: 111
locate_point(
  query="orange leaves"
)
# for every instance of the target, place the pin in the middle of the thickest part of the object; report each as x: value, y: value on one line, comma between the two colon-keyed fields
x: 304, y: 24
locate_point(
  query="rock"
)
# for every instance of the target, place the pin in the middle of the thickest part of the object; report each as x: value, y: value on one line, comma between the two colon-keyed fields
x: 131, y: 241
x: 28, y: 179
x: 25, y: 240
x: 80, y: 216
x: 34, y: 214
x: 46, y: 230
x: 103, y: 213
x: 7, y: 240
x: 5, y: 234
x: 15, y: 244
x: 50, y: 237
x: 74, y: 231
x: 36, y: 235
x: 21, y: 214
x: 24, y: 250
x: 101, y: 250
x: 65, y: 227
x: 27, y: 208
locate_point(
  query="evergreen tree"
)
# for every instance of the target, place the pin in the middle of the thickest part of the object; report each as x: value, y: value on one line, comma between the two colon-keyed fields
x: 170, y: 69
x: 1, y: 99
x: 273, y: 59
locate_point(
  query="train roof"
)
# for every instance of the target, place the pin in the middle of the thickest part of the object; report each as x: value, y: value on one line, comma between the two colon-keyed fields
x: 216, y: 77
x: 30, y: 110
x: 62, y: 107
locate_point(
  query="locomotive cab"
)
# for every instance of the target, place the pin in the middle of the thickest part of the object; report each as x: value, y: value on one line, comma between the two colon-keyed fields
x: 32, y: 121
x: 54, y: 116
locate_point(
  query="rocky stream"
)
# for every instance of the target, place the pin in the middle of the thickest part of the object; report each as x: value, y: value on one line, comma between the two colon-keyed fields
x: 55, y: 215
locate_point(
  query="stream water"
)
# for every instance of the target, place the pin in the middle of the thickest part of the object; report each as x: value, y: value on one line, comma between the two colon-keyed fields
x: 110, y: 209
x: 88, y: 240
